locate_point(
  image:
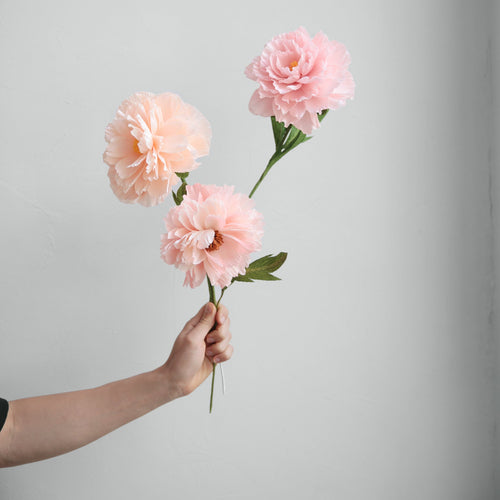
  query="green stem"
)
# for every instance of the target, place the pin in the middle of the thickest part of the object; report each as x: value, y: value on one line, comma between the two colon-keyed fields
x: 278, y: 154
x: 271, y: 162
x: 212, y: 390
x: 211, y: 293
x: 221, y: 295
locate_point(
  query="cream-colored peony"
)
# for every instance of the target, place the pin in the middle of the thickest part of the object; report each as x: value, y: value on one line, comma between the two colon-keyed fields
x: 150, y: 139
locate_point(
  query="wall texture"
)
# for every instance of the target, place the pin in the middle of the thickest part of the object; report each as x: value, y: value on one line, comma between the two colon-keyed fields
x: 495, y: 190
x: 368, y: 372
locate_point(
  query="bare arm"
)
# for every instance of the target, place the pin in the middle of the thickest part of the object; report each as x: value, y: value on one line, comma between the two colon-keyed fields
x: 42, y: 427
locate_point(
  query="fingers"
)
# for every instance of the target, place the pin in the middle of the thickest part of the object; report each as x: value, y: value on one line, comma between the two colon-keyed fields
x: 218, y: 347
x: 221, y: 315
x: 221, y: 345
x: 224, y: 356
x: 219, y: 333
x: 201, y: 324
x: 194, y: 320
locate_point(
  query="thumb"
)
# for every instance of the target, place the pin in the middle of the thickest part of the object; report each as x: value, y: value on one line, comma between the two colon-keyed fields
x: 205, y: 322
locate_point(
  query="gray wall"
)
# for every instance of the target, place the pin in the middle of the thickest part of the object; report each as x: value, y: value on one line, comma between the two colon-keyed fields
x: 495, y: 189
x: 368, y: 372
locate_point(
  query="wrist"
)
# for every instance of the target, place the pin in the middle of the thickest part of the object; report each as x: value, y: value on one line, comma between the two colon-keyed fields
x: 169, y: 390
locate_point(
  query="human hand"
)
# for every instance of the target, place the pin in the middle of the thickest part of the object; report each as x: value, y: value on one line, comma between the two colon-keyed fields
x: 197, y: 347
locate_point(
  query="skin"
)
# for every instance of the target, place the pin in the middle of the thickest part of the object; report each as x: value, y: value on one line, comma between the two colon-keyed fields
x: 46, y: 426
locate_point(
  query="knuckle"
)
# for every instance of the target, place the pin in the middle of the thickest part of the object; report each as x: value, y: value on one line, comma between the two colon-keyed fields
x: 190, y: 340
x: 225, y: 335
x: 213, y: 337
x: 217, y: 349
x: 226, y: 355
x: 207, y: 320
x: 188, y: 326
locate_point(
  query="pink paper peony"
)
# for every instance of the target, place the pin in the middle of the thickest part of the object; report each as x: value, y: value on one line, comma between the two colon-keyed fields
x: 299, y: 77
x: 213, y: 231
x: 150, y: 139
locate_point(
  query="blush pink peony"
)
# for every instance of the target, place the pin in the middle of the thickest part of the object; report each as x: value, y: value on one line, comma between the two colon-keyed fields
x: 150, y: 139
x: 300, y: 76
x: 212, y: 232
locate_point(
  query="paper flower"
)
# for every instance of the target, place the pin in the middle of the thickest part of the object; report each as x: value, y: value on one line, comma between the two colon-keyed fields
x: 150, y: 139
x: 212, y: 232
x: 299, y: 77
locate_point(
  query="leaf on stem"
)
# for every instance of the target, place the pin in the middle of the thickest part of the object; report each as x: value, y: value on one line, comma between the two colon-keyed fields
x: 262, y: 268
x: 279, y: 131
x: 322, y: 114
x: 174, y: 196
x: 295, y: 138
x: 180, y: 193
x: 182, y: 175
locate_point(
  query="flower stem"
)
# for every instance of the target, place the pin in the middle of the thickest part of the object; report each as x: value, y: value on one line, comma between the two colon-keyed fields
x: 211, y: 293
x: 278, y: 154
x: 212, y: 389
x: 221, y: 295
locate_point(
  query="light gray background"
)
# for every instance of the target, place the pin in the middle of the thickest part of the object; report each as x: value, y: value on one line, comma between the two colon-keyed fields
x: 369, y: 371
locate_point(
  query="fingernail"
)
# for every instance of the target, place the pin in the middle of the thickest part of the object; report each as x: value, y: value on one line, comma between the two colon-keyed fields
x: 208, y: 308
x: 216, y: 360
x: 210, y: 352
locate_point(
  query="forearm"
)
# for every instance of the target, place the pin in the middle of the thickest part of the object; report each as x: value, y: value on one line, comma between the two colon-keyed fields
x: 45, y: 426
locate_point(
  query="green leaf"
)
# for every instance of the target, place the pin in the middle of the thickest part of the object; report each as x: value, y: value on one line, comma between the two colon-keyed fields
x: 295, y: 138
x: 182, y: 175
x: 262, y: 268
x: 181, y: 192
x: 269, y: 262
x: 176, y: 201
x: 294, y: 134
x: 279, y: 130
x: 242, y: 277
x: 322, y: 115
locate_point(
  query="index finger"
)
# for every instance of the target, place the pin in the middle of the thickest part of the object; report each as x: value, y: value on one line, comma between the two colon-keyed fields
x: 222, y: 314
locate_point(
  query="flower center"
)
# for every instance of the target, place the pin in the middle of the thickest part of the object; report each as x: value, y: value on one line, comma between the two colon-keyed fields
x: 216, y: 243
x: 292, y: 65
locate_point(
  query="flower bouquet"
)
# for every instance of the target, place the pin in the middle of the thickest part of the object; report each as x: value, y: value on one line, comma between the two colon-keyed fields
x: 154, y: 142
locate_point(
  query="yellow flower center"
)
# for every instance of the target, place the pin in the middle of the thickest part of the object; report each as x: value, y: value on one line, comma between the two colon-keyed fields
x: 136, y: 147
x: 292, y: 65
x: 216, y: 243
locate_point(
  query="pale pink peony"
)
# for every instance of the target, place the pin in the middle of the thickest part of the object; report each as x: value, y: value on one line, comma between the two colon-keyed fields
x: 213, y: 231
x: 150, y: 139
x: 299, y: 77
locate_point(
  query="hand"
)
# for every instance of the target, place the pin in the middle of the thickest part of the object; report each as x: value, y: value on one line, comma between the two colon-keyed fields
x: 197, y: 347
